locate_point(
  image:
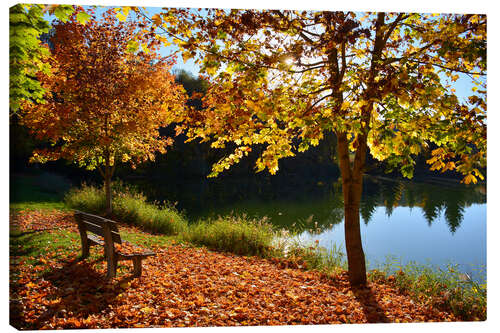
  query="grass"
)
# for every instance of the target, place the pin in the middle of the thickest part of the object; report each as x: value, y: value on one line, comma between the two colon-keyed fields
x: 88, y: 199
x: 129, y: 207
x: 33, y: 245
x: 329, y: 261
x: 236, y: 234
x: 38, y: 205
x: 444, y: 288
x: 31, y: 248
x: 239, y: 235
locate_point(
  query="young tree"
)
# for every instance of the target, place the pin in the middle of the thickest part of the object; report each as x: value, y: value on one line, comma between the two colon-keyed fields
x: 106, y: 98
x: 381, y: 82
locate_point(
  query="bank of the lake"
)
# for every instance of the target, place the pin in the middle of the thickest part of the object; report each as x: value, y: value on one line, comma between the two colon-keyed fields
x: 256, y: 236
x: 44, y: 245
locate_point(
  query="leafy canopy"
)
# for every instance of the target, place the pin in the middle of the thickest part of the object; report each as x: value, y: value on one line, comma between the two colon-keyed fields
x: 103, y: 99
x: 384, y: 82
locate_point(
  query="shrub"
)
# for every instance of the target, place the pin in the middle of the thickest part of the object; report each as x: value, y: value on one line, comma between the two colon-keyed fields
x: 236, y: 234
x: 88, y: 199
x: 129, y: 206
x: 135, y: 210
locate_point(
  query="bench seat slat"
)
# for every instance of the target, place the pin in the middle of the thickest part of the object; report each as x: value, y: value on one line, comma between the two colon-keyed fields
x: 95, y: 239
x: 101, y: 222
x: 130, y: 256
x: 113, y: 226
x: 96, y: 229
x: 96, y: 219
x: 100, y: 231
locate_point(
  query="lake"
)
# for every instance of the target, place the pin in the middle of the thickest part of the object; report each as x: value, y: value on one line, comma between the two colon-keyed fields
x: 436, y: 222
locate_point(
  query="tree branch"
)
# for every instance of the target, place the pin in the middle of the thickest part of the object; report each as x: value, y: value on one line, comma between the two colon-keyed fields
x: 398, y: 19
x: 447, y: 68
x: 100, y: 171
x: 319, y: 100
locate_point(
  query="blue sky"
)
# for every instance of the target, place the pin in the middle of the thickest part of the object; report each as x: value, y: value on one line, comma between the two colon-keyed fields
x: 462, y: 86
x: 189, y: 66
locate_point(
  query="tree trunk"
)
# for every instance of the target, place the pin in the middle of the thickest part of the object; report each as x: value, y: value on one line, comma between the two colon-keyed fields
x: 107, y: 184
x: 352, y: 181
x: 107, y: 187
x: 353, y: 244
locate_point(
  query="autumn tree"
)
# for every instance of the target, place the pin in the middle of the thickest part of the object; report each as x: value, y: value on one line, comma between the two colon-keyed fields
x: 383, y: 83
x: 109, y: 92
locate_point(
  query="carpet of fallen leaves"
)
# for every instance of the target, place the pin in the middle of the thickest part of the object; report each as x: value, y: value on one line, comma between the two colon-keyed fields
x: 42, y: 220
x: 186, y: 286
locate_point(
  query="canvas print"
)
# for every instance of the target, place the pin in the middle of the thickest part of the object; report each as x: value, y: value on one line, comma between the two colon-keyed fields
x: 206, y: 167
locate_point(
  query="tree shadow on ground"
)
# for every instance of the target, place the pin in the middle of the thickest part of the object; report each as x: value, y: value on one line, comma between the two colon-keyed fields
x: 370, y: 306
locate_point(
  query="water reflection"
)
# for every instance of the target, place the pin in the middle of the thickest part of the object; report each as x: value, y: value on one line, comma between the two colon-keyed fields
x: 433, y: 199
x: 303, y: 205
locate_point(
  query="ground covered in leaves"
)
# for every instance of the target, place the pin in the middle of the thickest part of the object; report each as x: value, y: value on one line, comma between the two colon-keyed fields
x: 181, y: 286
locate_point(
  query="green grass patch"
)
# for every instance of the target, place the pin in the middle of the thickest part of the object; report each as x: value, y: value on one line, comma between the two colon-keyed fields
x: 309, y: 255
x: 33, y: 247
x: 87, y: 199
x: 35, y: 244
x: 236, y: 234
x: 449, y: 288
x: 329, y: 261
x: 38, y: 205
x: 147, y: 240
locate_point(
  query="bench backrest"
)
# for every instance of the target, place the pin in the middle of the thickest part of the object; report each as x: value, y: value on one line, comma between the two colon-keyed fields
x: 99, y: 226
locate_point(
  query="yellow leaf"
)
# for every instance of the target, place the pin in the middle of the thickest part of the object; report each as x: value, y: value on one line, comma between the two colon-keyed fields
x: 478, y: 174
x: 186, y: 56
x: 121, y: 17
x: 211, y: 70
x: 470, y: 178
x: 125, y: 285
x: 147, y: 310
x: 125, y: 10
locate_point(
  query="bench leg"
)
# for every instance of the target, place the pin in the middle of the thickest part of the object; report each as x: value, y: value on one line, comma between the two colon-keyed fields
x: 83, y: 237
x: 85, y: 247
x: 137, y: 266
x: 111, y: 268
x: 85, y: 252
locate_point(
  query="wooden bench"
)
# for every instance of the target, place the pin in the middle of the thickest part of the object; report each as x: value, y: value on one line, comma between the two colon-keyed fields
x: 91, y: 225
